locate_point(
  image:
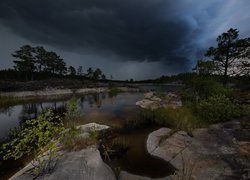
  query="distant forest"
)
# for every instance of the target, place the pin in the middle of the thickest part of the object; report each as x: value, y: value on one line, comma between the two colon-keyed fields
x: 36, y: 63
x: 230, y: 58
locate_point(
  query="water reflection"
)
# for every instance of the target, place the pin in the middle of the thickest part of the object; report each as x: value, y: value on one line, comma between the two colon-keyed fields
x: 102, y: 102
x: 7, y: 111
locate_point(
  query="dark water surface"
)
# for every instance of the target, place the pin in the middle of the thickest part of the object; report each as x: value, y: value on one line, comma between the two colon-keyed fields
x: 103, y: 103
x: 113, y: 110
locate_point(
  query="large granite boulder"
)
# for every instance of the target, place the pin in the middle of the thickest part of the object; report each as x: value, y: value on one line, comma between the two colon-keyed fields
x: 218, y: 152
x: 128, y: 176
x: 153, y: 101
x: 86, y: 164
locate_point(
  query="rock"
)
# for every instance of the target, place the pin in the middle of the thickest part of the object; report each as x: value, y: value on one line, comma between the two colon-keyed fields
x: 92, y: 127
x: 127, y: 176
x: 149, y: 104
x: 217, y: 152
x: 171, y: 145
x: 84, y: 164
x: 87, y: 128
x: 244, y: 148
x: 148, y: 95
x: 152, y: 101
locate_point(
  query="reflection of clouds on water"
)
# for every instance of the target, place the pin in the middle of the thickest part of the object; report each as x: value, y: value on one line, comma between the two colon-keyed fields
x: 102, y: 102
x: 8, y: 111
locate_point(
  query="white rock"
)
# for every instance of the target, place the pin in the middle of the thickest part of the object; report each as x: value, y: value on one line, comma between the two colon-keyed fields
x: 86, y: 164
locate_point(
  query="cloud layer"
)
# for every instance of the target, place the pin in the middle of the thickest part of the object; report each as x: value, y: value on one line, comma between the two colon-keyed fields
x: 174, y: 33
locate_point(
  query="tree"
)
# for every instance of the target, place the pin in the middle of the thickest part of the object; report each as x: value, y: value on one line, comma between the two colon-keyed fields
x: 55, y: 64
x: 61, y: 68
x: 40, y: 58
x: 26, y: 62
x: 79, y: 71
x: 103, y: 77
x: 90, y: 73
x: 244, y: 67
x: 97, y: 73
x: 229, y: 49
x: 205, y: 67
x: 72, y: 71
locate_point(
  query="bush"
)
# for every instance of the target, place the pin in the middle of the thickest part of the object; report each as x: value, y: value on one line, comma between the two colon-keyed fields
x: 72, y: 139
x: 205, y: 87
x: 72, y: 111
x: 36, y: 138
x: 160, y: 94
x: 220, y: 108
x: 182, y: 118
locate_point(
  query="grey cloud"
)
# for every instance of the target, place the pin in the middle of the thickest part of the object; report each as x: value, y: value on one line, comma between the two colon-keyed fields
x: 166, y: 31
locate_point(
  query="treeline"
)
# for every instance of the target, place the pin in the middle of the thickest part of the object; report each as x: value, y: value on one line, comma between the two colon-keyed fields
x: 228, y: 61
x: 36, y: 63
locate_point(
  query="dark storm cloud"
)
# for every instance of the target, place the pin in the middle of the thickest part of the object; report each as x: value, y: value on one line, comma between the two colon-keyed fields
x: 134, y: 30
x: 171, y: 32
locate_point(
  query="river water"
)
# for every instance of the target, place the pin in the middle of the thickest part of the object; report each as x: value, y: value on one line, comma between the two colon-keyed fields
x: 105, y: 108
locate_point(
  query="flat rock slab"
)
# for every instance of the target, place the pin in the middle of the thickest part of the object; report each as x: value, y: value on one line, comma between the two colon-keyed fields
x: 92, y: 127
x: 218, y: 152
x: 152, y: 101
x: 86, y: 164
x: 127, y: 176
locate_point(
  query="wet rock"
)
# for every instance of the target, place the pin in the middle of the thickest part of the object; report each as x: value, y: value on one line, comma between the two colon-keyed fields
x: 153, y: 101
x: 127, y: 176
x: 92, y: 127
x: 216, y: 152
x: 86, y: 129
x: 80, y: 165
x: 164, y: 144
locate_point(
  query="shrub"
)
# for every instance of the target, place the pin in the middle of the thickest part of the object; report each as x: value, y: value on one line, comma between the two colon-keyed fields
x: 36, y: 138
x: 72, y: 111
x: 73, y: 140
x: 182, y: 118
x: 220, y: 108
x: 205, y: 87
x: 160, y: 94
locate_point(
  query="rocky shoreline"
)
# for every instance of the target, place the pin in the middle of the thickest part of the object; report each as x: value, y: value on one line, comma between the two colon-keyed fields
x: 61, y: 92
x: 220, y: 151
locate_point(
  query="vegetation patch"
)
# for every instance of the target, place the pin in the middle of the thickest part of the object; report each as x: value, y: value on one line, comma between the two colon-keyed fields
x: 73, y: 140
x: 182, y: 118
x: 38, y: 138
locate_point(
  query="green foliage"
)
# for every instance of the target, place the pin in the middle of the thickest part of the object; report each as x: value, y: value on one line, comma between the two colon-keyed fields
x: 114, y: 91
x: 25, y: 61
x: 97, y: 74
x: 229, y: 49
x: 72, y: 111
x: 219, y: 108
x: 73, y: 140
x: 182, y: 118
x: 93, y: 134
x: 36, y: 138
x: 204, y: 87
x: 72, y: 71
x: 205, y: 67
x: 160, y: 94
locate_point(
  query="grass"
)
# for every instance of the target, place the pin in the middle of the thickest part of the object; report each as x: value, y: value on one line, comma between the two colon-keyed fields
x: 182, y: 118
x: 114, y: 91
x: 160, y: 94
x: 73, y: 140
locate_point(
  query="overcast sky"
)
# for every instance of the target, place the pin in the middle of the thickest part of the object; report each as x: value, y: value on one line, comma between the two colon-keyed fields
x: 137, y: 39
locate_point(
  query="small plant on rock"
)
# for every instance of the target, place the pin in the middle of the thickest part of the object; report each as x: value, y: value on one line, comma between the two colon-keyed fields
x: 38, y: 139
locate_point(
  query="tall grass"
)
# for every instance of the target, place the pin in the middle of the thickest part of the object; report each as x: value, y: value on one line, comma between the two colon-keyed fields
x: 182, y: 118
